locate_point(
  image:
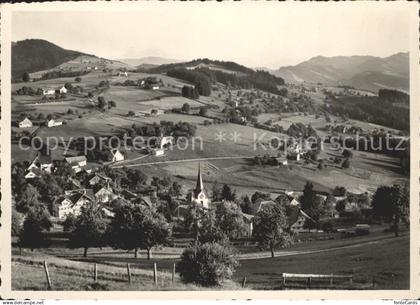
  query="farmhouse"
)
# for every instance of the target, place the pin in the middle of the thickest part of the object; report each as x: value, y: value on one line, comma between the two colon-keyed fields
x: 71, y: 203
x: 198, y: 195
x: 164, y: 141
x: 26, y: 123
x: 76, y: 163
x: 96, y: 178
x: 150, y: 112
x: 48, y: 92
x: 297, y: 221
x: 62, y: 90
x: 33, y: 173
x: 281, y: 161
x: 116, y: 155
x: 249, y: 222
x: 104, y: 194
x: 41, y: 162
x: 158, y: 152
x: 123, y: 74
x: 52, y: 123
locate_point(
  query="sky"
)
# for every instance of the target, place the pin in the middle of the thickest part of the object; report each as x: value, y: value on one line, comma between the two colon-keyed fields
x: 255, y: 34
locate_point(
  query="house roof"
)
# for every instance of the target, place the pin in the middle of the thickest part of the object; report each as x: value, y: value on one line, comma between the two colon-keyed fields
x: 26, y: 120
x: 75, y: 159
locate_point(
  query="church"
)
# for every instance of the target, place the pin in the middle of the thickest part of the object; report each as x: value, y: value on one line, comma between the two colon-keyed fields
x: 199, y: 195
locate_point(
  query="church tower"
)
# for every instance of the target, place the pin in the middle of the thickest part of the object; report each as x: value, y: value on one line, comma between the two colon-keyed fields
x: 199, y: 195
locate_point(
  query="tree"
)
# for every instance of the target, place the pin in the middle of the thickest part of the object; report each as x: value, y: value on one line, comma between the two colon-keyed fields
x: 130, y: 113
x: 28, y: 198
x: 101, y: 102
x: 185, y: 108
x: 339, y: 191
x: 347, y: 153
x: 193, y: 220
x: 229, y: 219
x: 227, y: 193
x: 89, y: 228
x: 78, y: 79
x: 207, y: 264
x: 136, y: 226
x: 17, y: 219
x: 113, y: 104
x: 346, y: 163
x: 391, y: 203
x: 176, y: 189
x: 37, y: 220
x: 203, y: 111
x: 216, y: 192
x: 269, y: 228
x: 246, y: 205
x: 308, y: 198
x: 26, y: 77
x: 68, y: 86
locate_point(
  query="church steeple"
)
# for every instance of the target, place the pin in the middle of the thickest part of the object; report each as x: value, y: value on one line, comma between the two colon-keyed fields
x: 199, y: 186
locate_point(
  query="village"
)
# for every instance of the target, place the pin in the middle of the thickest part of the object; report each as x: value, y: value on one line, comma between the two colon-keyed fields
x: 214, y: 165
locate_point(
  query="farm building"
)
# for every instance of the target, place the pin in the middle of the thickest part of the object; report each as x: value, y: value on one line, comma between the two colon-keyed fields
x: 63, y: 90
x: 297, y: 221
x: 71, y: 203
x: 33, y: 173
x: 48, y: 92
x: 26, y: 123
x: 76, y: 163
x: 116, y: 155
x: 97, y: 178
x: 41, y: 162
x: 104, y: 194
x: 199, y: 196
x: 164, y: 141
x: 158, y: 152
x: 249, y: 222
x: 150, y: 112
x: 281, y: 161
x: 123, y: 74
x: 52, y: 123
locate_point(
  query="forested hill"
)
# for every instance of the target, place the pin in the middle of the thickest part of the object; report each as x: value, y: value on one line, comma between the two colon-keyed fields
x: 32, y: 55
x: 205, y: 72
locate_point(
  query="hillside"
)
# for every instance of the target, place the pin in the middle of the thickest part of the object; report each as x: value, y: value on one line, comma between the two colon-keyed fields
x: 150, y: 60
x: 364, y: 72
x: 33, y: 55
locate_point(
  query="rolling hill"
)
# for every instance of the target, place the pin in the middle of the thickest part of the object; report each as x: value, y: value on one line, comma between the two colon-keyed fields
x: 150, y: 60
x: 32, y: 55
x: 364, y: 72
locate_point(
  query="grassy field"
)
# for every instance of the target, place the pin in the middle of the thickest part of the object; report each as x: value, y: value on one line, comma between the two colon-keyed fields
x: 388, y: 263
x: 377, y: 257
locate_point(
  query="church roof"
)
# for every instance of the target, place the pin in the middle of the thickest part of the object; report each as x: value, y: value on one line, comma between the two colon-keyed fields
x: 199, y: 186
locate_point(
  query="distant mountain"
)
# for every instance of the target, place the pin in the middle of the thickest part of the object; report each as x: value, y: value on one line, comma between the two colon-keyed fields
x: 150, y: 60
x: 364, y: 72
x: 32, y: 55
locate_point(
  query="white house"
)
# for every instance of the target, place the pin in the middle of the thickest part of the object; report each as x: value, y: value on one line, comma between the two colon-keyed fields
x: 72, y: 203
x: 48, y: 92
x: 52, y: 123
x: 116, y: 155
x: 158, y: 152
x: 26, y: 123
x: 164, y: 141
x: 123, y: 74
x: 33, y: 173
x: 76, y: 163
x: 104, y: 194
x: 154, y: 87
x: 41, y: 162
x: 63, y: 90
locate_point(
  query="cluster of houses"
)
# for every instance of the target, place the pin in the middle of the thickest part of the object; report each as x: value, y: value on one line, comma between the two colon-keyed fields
x: 27, y: 123
x: 61, y: 90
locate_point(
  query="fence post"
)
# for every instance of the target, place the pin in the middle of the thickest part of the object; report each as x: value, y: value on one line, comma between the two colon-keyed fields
x: 244, y: 282
x: 373, y: 282
x: 155, y: 273
x: 173, y: 273
x: 332, y: 279
x: 284, y: 280
x: 309, y: 282
x: 351, y: 279
x: 129, y: 273
x: 95, y: 272
x: 47, y: 274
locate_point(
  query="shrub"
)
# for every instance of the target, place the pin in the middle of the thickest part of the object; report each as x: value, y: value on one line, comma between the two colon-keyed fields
x: 207, y: 264
x: 130, y: 113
